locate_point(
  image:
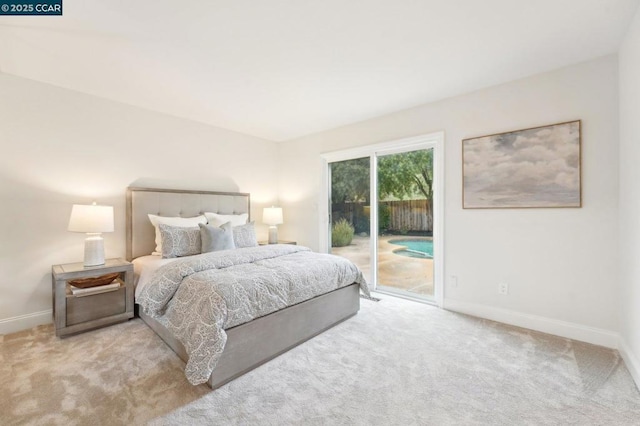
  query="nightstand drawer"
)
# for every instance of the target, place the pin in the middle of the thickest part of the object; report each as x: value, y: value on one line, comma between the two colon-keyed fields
x: 95, y: 306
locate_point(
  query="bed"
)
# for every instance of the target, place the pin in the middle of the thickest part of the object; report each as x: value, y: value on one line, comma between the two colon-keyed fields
x: 250, y: 344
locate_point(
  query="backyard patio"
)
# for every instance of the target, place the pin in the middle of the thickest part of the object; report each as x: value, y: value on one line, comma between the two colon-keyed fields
x: 396, y: 272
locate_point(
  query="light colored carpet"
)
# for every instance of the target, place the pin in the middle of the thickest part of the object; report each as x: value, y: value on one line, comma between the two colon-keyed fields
x: 396, y: 362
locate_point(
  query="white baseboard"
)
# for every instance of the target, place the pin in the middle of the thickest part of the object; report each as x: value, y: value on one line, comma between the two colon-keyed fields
x: 631, y: 361
x: 24, y: 322
x: 566, y: 329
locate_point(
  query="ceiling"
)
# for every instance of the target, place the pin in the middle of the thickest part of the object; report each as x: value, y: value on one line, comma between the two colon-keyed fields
x: 281, y: 69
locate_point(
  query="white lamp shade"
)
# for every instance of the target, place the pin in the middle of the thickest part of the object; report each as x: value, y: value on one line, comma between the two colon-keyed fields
x: 272, y: 215
x: 91, y: 219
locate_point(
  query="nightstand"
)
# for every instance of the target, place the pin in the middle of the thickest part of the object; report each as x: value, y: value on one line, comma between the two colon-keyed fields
x: 73, y: 314
x: 266, y: 243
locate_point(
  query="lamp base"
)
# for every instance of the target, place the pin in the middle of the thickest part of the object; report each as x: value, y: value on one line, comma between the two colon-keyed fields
x: 94, y: 250
x: 273, y: 234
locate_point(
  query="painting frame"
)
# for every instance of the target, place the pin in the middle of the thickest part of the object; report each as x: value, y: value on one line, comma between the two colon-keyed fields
x: 536, y: 167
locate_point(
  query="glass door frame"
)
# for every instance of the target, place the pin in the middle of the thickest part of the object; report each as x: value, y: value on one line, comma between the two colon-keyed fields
x: 432, y: 140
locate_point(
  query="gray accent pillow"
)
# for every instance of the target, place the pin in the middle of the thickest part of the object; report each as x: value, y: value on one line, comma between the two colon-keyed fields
x: 245, y: 235
x: 216, y: 238
x: 179, y: 241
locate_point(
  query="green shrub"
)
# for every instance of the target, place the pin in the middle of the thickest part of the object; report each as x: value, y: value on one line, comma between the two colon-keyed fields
x: 341, y: 233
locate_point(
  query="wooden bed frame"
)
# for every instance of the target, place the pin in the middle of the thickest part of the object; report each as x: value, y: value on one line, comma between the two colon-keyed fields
x: 251, y: 344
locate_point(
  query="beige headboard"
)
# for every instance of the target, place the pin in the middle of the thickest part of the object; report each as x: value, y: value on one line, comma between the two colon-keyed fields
x: 173, y: 202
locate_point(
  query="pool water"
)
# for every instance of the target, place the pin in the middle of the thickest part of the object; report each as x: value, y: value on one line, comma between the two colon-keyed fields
x: 422, y: 249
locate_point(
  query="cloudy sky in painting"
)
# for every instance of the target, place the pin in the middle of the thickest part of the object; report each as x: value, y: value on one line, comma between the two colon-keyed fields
x: 528, y: 168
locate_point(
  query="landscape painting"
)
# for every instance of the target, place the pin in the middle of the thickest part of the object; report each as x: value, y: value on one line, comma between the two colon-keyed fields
x: 537, y: 167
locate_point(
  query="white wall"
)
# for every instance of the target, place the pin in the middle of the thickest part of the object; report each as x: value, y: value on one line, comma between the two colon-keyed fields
x: 561, y: 264
x: 629, y: 199
x: 60, y: 147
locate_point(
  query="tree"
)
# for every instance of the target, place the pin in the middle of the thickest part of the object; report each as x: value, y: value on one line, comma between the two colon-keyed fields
x: 350, y: 181
x: 408, y: 174
x: 350, y: 184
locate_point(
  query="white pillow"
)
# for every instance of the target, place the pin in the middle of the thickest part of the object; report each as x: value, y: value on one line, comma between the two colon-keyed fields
x: 181, y: 222
x: 216, y: 219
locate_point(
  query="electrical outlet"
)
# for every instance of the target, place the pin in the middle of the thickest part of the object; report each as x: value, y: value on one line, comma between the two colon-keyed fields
x: 453, y: 280
x: 503, y: 288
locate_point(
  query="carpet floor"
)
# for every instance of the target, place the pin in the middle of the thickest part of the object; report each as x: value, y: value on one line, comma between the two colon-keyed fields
x: 396, y: 363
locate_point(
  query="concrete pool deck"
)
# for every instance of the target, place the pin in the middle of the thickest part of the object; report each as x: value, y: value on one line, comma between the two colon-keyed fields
x: 410, y: 274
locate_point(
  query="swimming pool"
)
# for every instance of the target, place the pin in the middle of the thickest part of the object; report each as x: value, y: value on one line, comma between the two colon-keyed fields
x: 418, y: 248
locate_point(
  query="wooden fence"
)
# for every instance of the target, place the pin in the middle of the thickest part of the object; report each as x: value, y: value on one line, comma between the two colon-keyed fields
x: 409, y: 215
x: 406, y: 215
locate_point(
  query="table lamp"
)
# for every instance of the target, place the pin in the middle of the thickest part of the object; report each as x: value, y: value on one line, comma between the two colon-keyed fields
x: 92, y: 220
x: 272, y: 216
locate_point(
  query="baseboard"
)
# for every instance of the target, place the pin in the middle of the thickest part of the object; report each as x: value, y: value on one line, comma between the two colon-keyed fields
x: 24, y: 322
x: 631, y: 361
x: 566, y: 329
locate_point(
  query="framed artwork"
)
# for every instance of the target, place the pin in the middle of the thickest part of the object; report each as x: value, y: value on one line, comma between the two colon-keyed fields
x: 530, y: 168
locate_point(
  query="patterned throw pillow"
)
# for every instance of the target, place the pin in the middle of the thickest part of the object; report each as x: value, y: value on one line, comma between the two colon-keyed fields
x: 184, y: 222
x: 179, y: 241
x: 245, y: 235
x: 216, y: 238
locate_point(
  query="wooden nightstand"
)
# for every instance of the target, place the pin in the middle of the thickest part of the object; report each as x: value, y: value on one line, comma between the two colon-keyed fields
x: 266, y: 243
x: 72, y: 314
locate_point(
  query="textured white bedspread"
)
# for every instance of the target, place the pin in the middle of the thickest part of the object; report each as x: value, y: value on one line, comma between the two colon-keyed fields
x: 144, y: 267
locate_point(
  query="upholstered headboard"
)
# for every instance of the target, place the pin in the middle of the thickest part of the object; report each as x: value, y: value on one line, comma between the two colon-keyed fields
x: 173, y: 202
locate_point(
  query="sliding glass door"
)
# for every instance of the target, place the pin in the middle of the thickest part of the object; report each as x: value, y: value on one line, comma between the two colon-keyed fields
x: 383, y: 214
x: 350, y: 225
x: 405, y: 223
